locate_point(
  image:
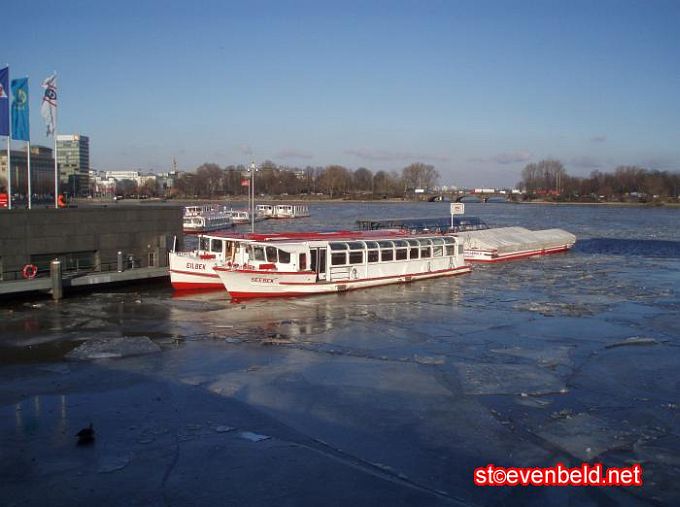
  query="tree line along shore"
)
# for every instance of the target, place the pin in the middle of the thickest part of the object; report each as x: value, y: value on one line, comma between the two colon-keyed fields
x: 545, y: 181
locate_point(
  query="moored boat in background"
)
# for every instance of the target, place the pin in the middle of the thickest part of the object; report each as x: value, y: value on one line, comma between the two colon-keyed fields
x: 291, y: 211
x: 212, y: 221
x: 283, y: 210
x: 482, y: 243
x: 512, y: 243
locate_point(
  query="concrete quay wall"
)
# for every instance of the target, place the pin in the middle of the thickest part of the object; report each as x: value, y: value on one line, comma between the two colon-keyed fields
x: 87, y: 239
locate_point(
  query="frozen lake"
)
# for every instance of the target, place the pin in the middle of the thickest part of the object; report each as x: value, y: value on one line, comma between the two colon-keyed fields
x: 390, y: 395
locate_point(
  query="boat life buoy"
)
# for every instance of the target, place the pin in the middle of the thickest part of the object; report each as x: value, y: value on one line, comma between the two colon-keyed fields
x: 29, y: 271
x: 61, y: 202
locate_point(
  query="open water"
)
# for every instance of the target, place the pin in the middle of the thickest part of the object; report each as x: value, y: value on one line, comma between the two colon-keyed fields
x: 569, y: 358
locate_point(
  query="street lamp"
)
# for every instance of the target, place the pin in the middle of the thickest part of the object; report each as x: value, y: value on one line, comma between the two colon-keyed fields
x: 252, y: 193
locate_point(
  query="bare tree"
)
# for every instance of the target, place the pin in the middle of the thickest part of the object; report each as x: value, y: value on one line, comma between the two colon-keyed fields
x: 362, y: 180
x: 209, y: 180
x: 334, y: 179
x: 419, y: 175
x: 544, y: 176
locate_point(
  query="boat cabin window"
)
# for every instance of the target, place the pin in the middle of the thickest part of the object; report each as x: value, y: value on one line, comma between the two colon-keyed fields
x: 302, y: 262
x: 284, y: 257
x: 338, y: 246
x: 400, y: 253
x: 386, y: 250
x: 371, y: 244
x: 356, y: 257
x: 449, y: 246
x: 413, y: 248
x: 438, y: 247
x: 271, y: 254
x: 425, y: 250
x: 355, y: 245
x: 257, y: 253
x: 204, y: 243
x: 373, y: 256
x: 338, y: 258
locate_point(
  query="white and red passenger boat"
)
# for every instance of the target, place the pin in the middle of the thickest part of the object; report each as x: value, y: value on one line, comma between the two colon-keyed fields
x: 193, y: 269
x: 297, y: 264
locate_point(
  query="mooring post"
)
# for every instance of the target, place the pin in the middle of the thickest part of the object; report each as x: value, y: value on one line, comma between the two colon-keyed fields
x: 120, y: 261
x: 57, y: 283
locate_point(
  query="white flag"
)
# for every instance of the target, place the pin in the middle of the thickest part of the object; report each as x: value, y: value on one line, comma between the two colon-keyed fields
x: 49, y: 104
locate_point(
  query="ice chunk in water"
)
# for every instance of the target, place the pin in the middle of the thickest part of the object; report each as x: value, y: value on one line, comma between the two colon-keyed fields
x: 103, y: 348
x: 584, y: 436
x: 253, y: 437
x: 633, y: 340
x: 491, y: 378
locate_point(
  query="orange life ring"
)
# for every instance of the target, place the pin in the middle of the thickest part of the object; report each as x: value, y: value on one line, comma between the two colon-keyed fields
x: 61, y: 202
x: 29, y: 271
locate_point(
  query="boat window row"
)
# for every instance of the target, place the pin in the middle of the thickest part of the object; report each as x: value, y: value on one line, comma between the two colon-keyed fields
x: 268, y: 254
x: 353, y: 252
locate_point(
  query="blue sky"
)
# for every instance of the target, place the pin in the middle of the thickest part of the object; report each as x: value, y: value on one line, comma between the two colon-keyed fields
x: 476, y: 88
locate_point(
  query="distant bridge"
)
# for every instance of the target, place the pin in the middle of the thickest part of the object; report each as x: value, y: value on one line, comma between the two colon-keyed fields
x: 479, y: 196
x: 483, y: 196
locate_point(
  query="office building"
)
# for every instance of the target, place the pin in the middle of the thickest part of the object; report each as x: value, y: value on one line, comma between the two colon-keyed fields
x: 73, y: 156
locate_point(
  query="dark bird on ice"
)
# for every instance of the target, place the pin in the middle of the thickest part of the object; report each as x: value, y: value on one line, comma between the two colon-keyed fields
x: 86, y: 435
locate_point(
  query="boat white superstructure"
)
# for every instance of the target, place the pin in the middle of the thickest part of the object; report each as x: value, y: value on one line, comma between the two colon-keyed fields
x: 283, y: 210
x: 243, y: 216
x: 291, y: 211
x: 297, y: 264
x: 193, y: 269
x: 266, y: 210
x: 207, y: 222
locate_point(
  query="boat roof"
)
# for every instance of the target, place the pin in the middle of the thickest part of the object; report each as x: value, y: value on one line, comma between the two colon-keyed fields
x: 310, y: 235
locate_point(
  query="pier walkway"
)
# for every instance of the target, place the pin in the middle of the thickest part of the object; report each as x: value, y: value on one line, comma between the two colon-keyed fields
x: 94, y: 279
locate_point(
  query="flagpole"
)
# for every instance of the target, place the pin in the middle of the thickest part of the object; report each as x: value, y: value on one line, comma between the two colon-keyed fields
x: 252, y: 193
x: 9, y: 171
x: 9, y: 149
x: 56, y: 163
x: 28, y: 160
x: 56, y: 167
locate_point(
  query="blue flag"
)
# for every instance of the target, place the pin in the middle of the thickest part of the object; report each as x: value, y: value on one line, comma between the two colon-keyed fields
x: 20, y: 128
x: 4, y: 101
